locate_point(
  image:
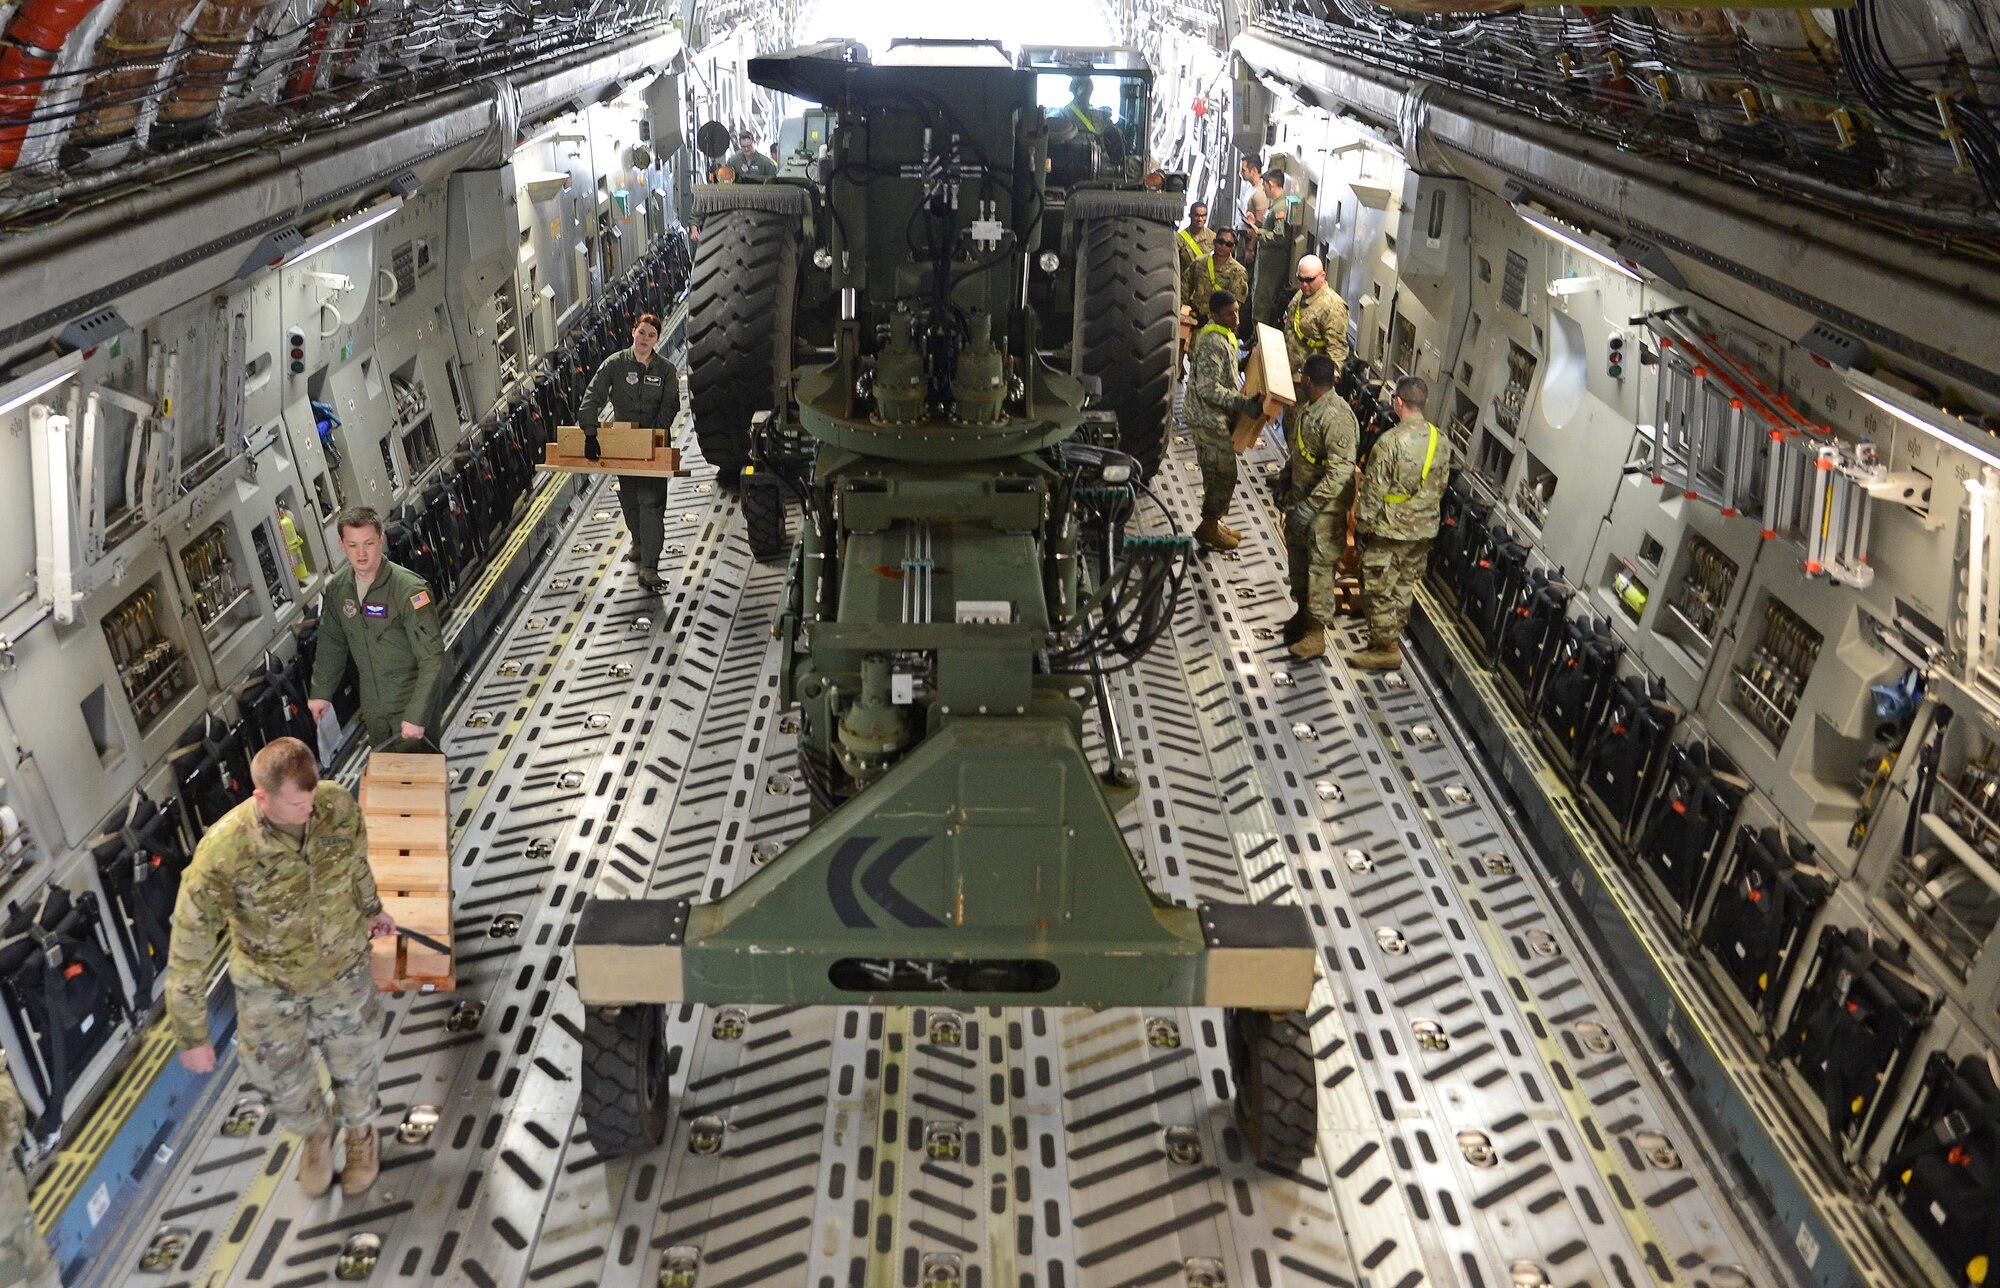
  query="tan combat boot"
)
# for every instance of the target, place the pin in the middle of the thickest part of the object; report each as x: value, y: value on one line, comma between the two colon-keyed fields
x: 316, y: 1159
x: 1212, y: 534
x: 1380, y: 657
x: 363, y: 1160
x: 1312, y: 640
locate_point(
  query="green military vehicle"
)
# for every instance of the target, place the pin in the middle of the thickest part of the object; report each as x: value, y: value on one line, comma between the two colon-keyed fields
x: 763, y: 298
x: 968, y: 569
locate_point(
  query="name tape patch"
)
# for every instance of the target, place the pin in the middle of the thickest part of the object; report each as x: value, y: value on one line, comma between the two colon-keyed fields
x: 375, y: 610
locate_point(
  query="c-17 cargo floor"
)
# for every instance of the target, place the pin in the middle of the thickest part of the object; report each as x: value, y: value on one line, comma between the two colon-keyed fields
x: 1486, y: 1116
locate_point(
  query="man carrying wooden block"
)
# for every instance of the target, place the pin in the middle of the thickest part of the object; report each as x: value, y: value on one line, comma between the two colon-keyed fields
x: 1319, y: 493
x: 285, y: 874
x: 1214, y: 398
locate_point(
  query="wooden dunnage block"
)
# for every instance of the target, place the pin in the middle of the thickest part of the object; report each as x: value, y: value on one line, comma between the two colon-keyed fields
x: 406, y: 767
x: 390, y: 796
x: 406, y: 801
x: 617, y: 442
x: 1267, y: 372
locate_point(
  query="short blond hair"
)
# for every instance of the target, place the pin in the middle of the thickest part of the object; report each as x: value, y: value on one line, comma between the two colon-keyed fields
x: 284, y: 762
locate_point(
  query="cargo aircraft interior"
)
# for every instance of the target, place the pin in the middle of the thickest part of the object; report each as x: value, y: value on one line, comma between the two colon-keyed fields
x: 944, y: 868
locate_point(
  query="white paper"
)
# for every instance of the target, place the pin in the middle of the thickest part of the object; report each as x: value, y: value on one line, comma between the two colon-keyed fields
x: 330, y: 737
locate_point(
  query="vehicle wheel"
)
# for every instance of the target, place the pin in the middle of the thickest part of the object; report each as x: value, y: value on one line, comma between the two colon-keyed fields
x: 1277, y: 1096
x: 740, y: 298
x: 1128, y: 327
x: 623, y: 1094
x: 764, y: 513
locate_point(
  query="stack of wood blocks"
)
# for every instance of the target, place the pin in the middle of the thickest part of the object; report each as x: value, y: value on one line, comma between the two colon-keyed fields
x: 622, y: 448
x: 406, y: 800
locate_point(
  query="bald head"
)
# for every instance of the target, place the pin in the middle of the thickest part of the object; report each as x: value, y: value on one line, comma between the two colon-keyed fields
x: 1312, y: 275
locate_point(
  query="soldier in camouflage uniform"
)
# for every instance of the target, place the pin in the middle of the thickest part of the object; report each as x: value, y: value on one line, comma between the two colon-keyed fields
x: 1217, y: 271
x: 1195, y: 241
x: 285, y: 875
x: 24, y: 1256
x: 1319, y: 493
x: 382, y: 615
x: 1314, y: 320
x: 1214, y: 398
x: 1396, y: 515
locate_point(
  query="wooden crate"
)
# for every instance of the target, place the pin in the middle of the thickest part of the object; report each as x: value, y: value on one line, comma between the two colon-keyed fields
x: 665, y: 463
x: 1269, y: 371
x: 404, y: 962
x: 621, y: 441
x: 406, y: 799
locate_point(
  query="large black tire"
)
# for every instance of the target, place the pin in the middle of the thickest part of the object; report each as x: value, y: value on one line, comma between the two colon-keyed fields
x: 740, y: 302
x: 1277, y: 1096
x: 623, y: 1093
x: 764, y: 510
x: 1127, y: 334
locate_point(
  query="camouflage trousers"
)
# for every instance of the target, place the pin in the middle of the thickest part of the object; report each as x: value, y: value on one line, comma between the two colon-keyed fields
x: 1390, y: 571
x: 24, y: 1254
x: 1217, y: 457
x: 284, y: 1037
x: 1315, y: 561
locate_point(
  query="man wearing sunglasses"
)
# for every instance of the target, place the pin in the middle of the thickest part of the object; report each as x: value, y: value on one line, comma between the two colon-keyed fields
x: 1314, y: 320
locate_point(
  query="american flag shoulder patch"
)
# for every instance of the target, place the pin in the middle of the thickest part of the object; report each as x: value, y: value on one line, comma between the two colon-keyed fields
x: 421, y: 599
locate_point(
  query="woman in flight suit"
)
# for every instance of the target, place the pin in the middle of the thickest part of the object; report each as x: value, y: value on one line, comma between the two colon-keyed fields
x: 640, y: 386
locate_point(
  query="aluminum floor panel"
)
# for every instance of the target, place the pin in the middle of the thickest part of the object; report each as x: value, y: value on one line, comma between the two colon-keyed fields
x: 623, y: 743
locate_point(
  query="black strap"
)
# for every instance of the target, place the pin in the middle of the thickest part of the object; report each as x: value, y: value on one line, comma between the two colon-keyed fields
x: 1950, y: 1128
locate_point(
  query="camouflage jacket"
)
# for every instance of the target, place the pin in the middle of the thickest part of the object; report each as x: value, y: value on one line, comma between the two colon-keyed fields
x: 13, y: 1114
x: 1403, y: 482
x: 1204, y: 277
x: 1315, y: 325
x: 395, y: 638
x: 1193, y: 245
x: 1322, y: 450
x: 296, y: 912
x: 1214, y: 394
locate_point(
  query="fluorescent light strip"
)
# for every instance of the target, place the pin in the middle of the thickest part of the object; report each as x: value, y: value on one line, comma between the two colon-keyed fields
x: 23, y: 399
x: 1928, y: 419
x: 341, y: 232
x: 1556, y: 232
